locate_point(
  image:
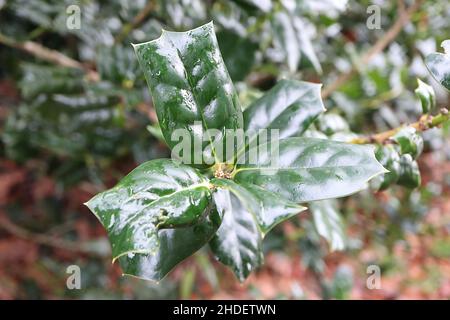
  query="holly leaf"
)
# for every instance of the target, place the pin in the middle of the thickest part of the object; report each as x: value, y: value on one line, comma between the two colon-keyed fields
x: 308, y: 169
x: 238, y: 241
x: 238, y: 53
x: 293, y: 38
x: 191, y: 90
x: 285, y: 39
x: 304, y: 37
x: 426, y: 95
x: 328, y: 223
x: 390, y: 159
x: 290, y: 106
x: 409, y: 141
x: 268, y: 208
x: 439, y: 65
x: 272, y: 209
x: 248, y: 214
x: 175, y: 245
x: 409, y: 174
x: 157, y: 195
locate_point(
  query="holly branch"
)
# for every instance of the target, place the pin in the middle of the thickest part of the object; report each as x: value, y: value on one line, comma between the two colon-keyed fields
x: 424, y: 123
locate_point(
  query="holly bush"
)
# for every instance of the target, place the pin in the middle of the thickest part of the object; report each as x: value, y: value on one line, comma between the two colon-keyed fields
x: 165, y: 210
x: 82, y: 106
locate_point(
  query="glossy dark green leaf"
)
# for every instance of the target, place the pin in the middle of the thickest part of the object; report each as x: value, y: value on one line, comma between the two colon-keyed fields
x: 156, y: 195
x: 291, y: 106
x: 245, y: 196
x: 268, y: 207
x: 291, y: 37
x: 305, y: 41
x: 238, y: 241
x: 263, y: 5
x: 390, y: 159
x: 328, y: 223
x: 39, y: 79
x: 238, y: 53
x: 409, y: 141
x: 174, y: 246
x: 285, y: 39
x: 191, y: 88
x: 272, y: 209
x: 439, y: 65
x: 332, y: 123
x: 308, y: 169
x: 426, y: 95
x: 409, y: 175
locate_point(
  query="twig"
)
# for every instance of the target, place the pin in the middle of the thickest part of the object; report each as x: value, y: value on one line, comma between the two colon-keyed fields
x: 380, y: 45
x: 50, y: 55
x: 47, y: 240
x: 425, y: 122
x: 138, y: 19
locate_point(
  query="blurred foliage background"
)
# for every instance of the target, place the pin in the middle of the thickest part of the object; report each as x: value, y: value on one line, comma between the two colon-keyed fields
x: 75, y: 116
